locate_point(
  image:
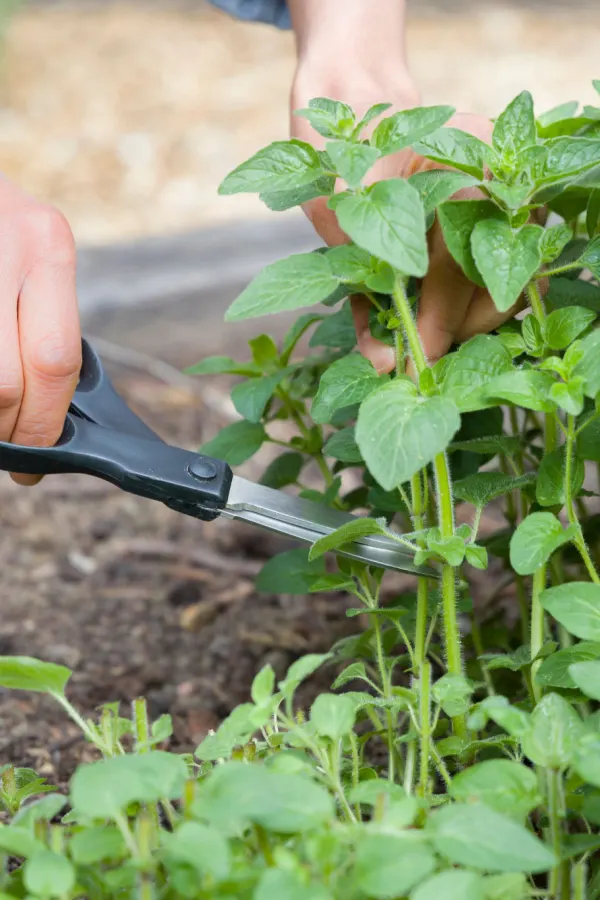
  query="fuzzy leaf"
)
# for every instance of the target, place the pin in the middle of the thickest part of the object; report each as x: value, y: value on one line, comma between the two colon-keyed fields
x: 535, y: 540
x: 569, y: 156
x: 455, y: 148
x: 575, y: 605
x: 388, y: 220
x: 352, y: 161
x: 515, y: 127
x: 22, y: 673
x: 458, y: 219
x: 507, y: 259
x: 236, y: 443
x: 352, y: 531
x: 564, y: 325
x: 555, y: 669
x: 523, y: 387
x: 483, y: 487
x: 589, y: 366
x: 406, y: 127
x: 550, y: 487
x: 390, y: 865
x: 342, y: 445
x: 398, y: 434
x: 333, y: 716
x: 473, y: 367
x: 474, y: 835
x: 283, y: 165
x: 250, y: 398
x: 303, y: 279
x: 554, y: 733
x: 453, y: 884
x: 284, y: 470
x: 346, y: 382
x: 586, y: 676
x: 554, y: 240
x: 437, y: 185
x: 279, y: 201
x: 503, y: 785
x: 290, y: 572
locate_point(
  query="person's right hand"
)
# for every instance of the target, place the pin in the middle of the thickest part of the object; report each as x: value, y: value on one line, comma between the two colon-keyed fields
x: 40, y: 342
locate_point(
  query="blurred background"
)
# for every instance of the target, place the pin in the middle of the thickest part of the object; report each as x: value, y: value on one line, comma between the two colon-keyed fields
x: 126, y: 114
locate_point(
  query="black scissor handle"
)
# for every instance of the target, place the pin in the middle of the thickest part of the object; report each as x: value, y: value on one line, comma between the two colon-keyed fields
x: 97, y: 401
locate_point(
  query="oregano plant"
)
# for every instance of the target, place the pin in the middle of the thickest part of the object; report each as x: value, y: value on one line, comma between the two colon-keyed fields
x: 457, y: 753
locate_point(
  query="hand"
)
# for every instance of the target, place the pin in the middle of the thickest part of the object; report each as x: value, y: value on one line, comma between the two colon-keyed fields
x: 451, y: 309
x: 40, y: 343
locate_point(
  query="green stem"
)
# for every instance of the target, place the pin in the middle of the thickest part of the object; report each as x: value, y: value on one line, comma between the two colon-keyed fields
x: 141, y: 725
x: 569, y: 267
x: 480, y: 650
x: 88, y: 732
x: 570, y: 506
x: 537, y: 627
x: 554, y: 811
x: 424, y: 727
x: 580, y: 881
x: 422, y: 585
x: 523, y: 607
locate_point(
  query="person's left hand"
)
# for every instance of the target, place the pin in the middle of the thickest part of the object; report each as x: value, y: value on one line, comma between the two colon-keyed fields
x: 451, y: 309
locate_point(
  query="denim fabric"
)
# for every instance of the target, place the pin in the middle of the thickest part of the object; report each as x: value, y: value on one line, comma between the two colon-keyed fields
x: 275, y: 12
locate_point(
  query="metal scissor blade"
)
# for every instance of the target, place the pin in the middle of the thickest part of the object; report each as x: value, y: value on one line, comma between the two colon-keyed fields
x: 307, y: 521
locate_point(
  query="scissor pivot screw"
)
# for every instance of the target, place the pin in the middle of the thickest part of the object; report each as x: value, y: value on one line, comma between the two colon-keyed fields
x: 203, y: 470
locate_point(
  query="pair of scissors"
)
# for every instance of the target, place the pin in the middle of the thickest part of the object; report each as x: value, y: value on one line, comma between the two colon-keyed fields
x: 103, y: 437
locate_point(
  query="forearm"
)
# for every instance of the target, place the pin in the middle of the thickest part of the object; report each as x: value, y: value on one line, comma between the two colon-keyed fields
x: 352, y: 43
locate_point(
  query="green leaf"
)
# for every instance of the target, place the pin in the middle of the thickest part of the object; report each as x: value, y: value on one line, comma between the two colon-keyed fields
x: 95, y: 845
x: 22, y: 673
x: 591, y: 257
x: 555, y: 669
x: 437, y: 185
x: 388, y: 220
x: 564, y: 325
x: 284, y: 470
x: 455, y: 148
x: 223, y: 365
x: 553, y: 734
x: 451, y: 549
x: 473, y: 367
x: 336, y: 331
x: 567, y: 292
x: 19, y: 842
x: 586, y: 676
x: 235, y: 794
x: 342, y: 445
x: 588, y: 442
x: 300, y: 670
x: 408, y: 126
x: 558, y: 113
x: 569, y: 156
x: 453, y: 884
x: 352, y: 531
x: 490, y: 444
x: 398, y: 434
x: 279, y: 201
x: 554, y: 240
x: 483, y: 487
x: 515, y: 661
x: 282, y: 166
x: 290, y: 572
x: 352, y: 161
x: 101, y: 790
x: 330, y: 118
x: 523, y: 387
x: 295, y: 333
x: 458, y: 219
x: 502, y: 784
x: 515, y: 128
x: 507, y: 259
x: 575, y: 605
x: 346, y: 382
x: 588, y: 367
x: 201, y: 847
x: 235, y: 730
x: 46, y: 874
x: 262, y: 685
x: 303, y: 279
x: 372, y: 113
x: 333, y: 716
x: 236, y: 443
x: 250, y: 398
x: 476, y: 556
x: 276, y: 884
x: 390, y: 865
x: 351, y: 673
x: 350, y: 263
x: 506, y: 887
x: 593, y: 213
x: 453, y: 693
x: 474, y: 835
x: 535, y: 540
x: 550, y: 487
x: 587, y: 760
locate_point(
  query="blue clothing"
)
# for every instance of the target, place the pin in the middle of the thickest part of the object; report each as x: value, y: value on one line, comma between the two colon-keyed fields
x: 275, y: 12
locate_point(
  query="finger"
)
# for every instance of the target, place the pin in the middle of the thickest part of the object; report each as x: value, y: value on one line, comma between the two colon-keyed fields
x: 11, y: 372
x: 379, y: 354
x: 49, y: 337
x: 483, y: 317
x: 445, y: 298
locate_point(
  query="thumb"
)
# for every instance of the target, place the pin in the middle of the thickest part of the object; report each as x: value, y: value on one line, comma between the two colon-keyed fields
x: 379, y: 354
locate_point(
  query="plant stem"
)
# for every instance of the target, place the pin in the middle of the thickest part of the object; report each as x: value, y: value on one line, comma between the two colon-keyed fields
x: 554, y: 810
x: 142, y: 726
x: 424, y: 726
x: 571, y: 513
x: 537, y: 627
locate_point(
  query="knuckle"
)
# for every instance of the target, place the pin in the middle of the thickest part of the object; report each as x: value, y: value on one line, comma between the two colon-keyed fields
x: 55, y: 358
x: 50, y: 234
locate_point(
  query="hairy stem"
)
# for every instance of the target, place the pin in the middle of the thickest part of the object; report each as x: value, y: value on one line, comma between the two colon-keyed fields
x: 554, y: 815
x: 445, y: 505
x: 537, y: 627
x: 424, y: 727
x: 569, y: 504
